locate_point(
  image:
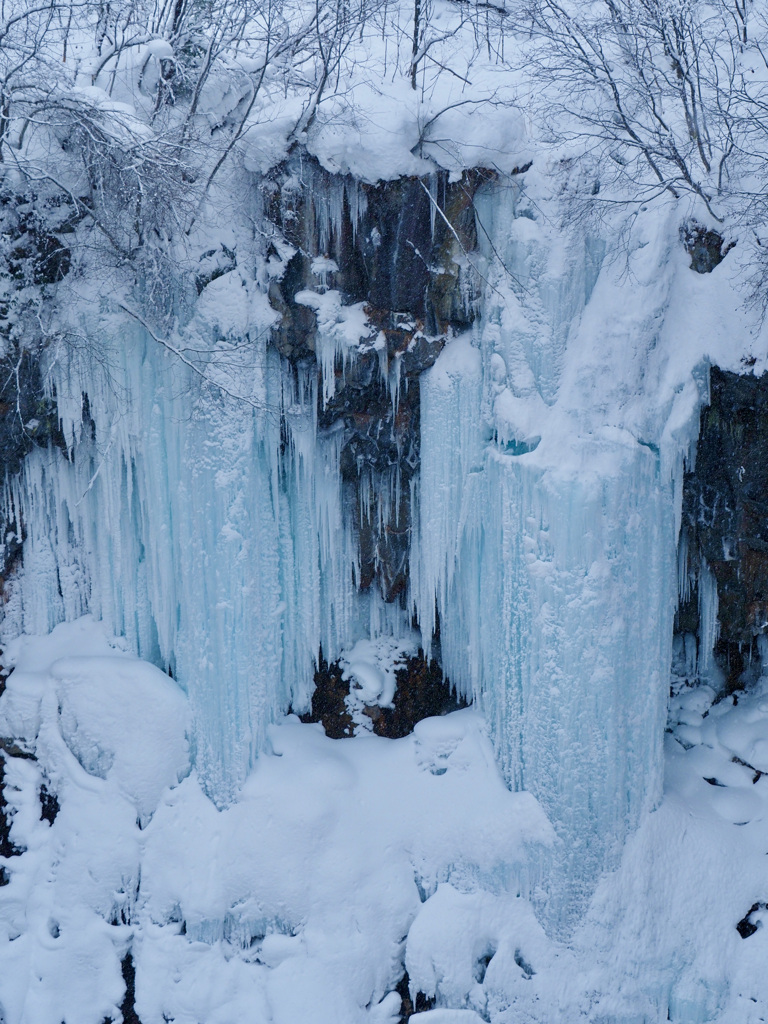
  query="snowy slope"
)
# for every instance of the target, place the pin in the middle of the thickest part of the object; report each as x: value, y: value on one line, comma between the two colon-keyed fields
x: 346, y: 862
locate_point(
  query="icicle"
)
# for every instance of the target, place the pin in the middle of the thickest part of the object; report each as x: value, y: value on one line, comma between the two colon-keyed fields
x: 433, y: 181
x: 185, y: 528
x: 762, y: 650
x: 393, y: 381
x: 709, y: 625
x: 357, y: 202
x: 683, y: 575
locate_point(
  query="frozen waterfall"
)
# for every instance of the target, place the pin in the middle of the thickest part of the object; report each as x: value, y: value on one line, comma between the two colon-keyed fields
x: 175, y: 518
x: 209, y: 526
x: 549, y: 550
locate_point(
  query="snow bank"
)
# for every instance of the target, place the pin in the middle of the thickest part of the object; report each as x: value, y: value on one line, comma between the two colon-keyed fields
x: 296, y: 899
x: 345, y: 863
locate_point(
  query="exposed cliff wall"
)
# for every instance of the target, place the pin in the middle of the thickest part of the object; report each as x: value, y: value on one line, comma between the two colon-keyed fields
x: 403, y: 250
x: 725, y: 518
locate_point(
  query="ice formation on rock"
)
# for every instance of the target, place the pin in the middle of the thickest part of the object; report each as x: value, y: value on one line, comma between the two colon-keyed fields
x: 551, y: 563
x: 208, y: 523
x: 184, y: 519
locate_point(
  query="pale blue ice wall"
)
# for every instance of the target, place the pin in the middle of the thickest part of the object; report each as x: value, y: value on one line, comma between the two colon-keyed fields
x: 556, y: 610
x: 549, y: 547
x: 167, y: 527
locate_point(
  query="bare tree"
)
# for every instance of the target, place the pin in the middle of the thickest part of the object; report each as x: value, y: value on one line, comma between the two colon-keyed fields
x: 658, y: 93
x: 132, y: 110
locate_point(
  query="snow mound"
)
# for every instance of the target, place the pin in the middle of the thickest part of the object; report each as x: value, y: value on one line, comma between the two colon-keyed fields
x: 123, y: 719
x: 292, y: 904
x: 126, y: 721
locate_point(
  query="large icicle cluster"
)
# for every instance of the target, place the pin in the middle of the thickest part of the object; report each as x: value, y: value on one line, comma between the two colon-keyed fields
x: 556, y: 596
x: 180, y: 517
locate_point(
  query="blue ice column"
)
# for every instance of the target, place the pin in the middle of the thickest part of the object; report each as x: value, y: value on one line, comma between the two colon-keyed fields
x: 554, y: 576
x: 208, y: 530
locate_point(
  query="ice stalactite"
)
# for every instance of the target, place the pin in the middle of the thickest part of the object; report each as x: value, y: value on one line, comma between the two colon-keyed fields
x: 709, y: 626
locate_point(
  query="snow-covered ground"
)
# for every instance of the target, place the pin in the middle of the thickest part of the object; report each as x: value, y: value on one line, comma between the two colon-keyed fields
x: 345, y: 862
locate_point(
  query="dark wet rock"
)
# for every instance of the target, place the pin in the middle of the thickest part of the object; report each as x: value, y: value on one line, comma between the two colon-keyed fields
x: 14, y: 749
x: 380, y: 452
x: 687, y: 613
x: 400, y: 248
x: 294, y: 336
x: 128, y: 1008
x: 746, y: 925
x: 422, y: 692
x: 40, y: 256
x: 725, y: 515
x: 49, y: 805
x: 32, y: 225
x: 409, y: 1006
x: 328, y: 702
x: 706, y: 248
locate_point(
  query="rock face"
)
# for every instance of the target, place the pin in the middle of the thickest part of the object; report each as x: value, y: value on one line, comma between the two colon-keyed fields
x: 725, y: 514
x: 705, y: 247
x: 422, y: 692
x: 381, y: 442
x: 409, y: 1006
x: 33, y: 259
x: 401, y: 248
x: 7, y: 846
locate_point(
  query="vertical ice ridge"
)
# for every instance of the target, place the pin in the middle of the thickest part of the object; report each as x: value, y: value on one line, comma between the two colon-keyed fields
x: 548, y: 547
x: 556, y: 594
x: 164, y: 524
x: 709, y: 624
